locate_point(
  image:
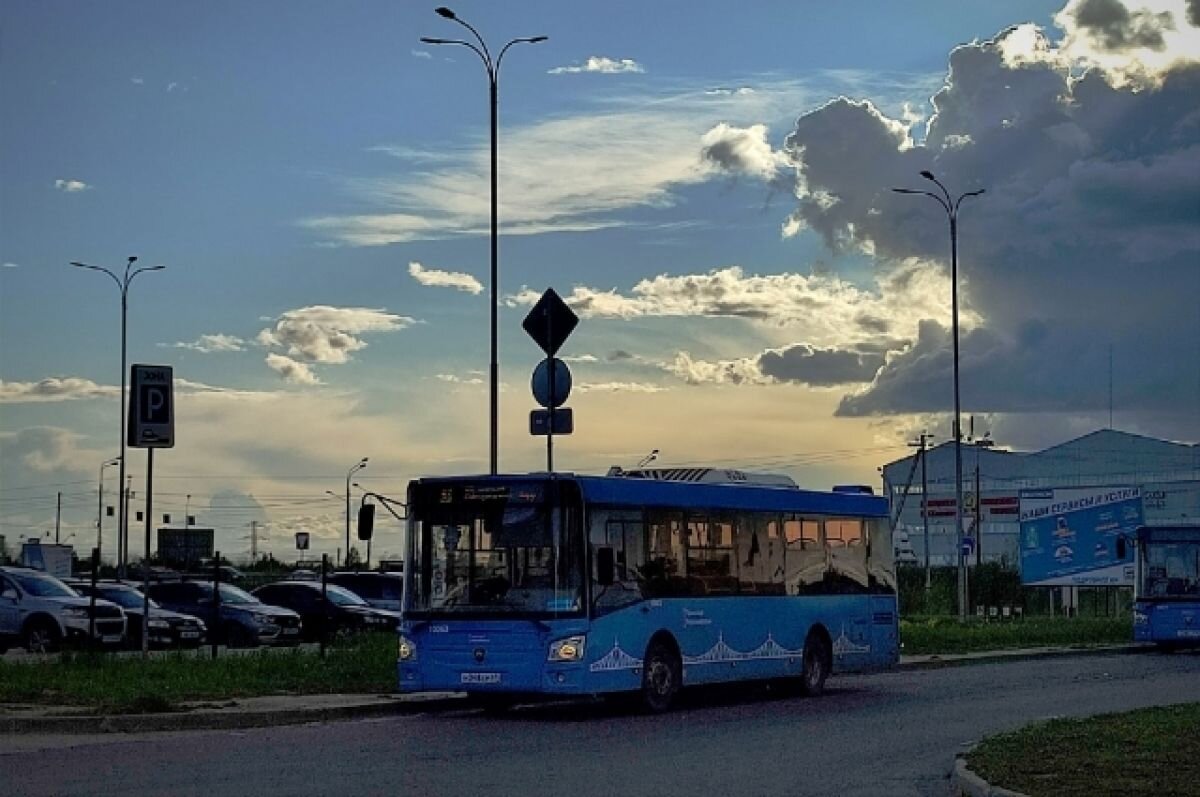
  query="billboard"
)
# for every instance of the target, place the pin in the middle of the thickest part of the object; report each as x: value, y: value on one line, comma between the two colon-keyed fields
x: 1069, y: 535
x: 52, y: 559
x: 185, y: 547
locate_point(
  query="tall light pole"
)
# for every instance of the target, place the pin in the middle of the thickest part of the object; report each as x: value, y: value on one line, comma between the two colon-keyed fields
x: 100, y: 504
x: 493, y: 73
x: 361, y: 464
x: 951, y: 207
x: 123, y: 286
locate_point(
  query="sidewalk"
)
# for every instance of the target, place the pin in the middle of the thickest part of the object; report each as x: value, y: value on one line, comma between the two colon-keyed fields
x: 255, y: 712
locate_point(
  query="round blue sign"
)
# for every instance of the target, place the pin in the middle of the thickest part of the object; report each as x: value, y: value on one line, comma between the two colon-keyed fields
x: 541, y: 383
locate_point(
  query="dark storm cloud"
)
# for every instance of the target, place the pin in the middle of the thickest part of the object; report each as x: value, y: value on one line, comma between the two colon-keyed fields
x: 1088, y: 235
x: 1115, y: 27
x: 1193, y: 13
x: 820, y: 367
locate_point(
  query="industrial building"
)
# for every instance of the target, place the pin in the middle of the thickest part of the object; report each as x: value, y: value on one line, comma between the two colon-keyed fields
x: 1167, y: 473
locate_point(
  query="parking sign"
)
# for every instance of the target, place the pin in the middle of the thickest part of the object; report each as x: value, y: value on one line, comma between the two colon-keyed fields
x: 151, y: 407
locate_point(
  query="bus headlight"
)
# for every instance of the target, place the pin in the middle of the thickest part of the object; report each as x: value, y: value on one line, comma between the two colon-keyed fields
x: 406, y: 650
x: 569, y: 649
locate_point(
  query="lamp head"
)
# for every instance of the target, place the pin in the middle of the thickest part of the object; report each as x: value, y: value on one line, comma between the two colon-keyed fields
x: 133, y: 258
x: 928, y: 175
x: 442, y: 11
x: 906, y: 191
x: 538, y: 39
x: 432, y: 40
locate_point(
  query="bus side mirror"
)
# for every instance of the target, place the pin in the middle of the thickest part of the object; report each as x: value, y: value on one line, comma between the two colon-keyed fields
x: 1121, y: 548
x: 366, y: 521
x: 605, y: 566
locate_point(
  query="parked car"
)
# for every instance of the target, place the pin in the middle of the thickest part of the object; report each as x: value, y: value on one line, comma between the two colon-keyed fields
x: 39, y: 613
x: 381, y: 590
x: 342, y: 612
x: 242, y: 620
x: 167, y: 628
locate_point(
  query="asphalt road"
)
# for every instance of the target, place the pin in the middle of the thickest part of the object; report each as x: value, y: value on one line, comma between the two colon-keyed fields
x: 885, y: 734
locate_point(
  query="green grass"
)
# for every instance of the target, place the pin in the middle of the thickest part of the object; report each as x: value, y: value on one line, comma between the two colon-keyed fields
x: 1154, y: 751
x: 131, y: 684
x: 929, y: 635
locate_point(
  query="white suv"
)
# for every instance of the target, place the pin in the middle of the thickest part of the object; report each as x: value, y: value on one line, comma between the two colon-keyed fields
x: 38, y: 612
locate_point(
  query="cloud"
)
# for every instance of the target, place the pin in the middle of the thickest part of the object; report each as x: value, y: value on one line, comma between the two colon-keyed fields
x: 809, y: 365
x: 744, y: 371
x: 297, y: 373
x: 618, y: 387
x: 208, y: 344
x: 137, y: 81
x: 822, y: 309
x: 71, y: 186
x: 49, y: 448
x: 1193, y: 13
x: 9, y: 265
x: 601, y: 65
x: 326, y: 335
x: 444, y: 279
x: 54, y: 388
x: 1114, y: 27
x: 742, y: 151
x: 459, y: 380
x: 1087, y: 235
x: 420, y: 54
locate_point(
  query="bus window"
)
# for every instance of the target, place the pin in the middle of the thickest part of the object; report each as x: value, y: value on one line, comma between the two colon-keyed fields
x: 710, y: 561
x: 662, y: 575
x: 759, y: 554
x: 804, y: 559
x: 847, y: 552
x: 881, y: 568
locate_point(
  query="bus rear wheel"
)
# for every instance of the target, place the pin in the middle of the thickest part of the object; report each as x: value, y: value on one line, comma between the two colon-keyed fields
x: 815, y: 666
x: 661, y: 677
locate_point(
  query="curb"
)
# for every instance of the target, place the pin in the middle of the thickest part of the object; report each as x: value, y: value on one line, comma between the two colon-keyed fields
x: 219, y: 720
x: 965, y: 783
x: 935, y: 662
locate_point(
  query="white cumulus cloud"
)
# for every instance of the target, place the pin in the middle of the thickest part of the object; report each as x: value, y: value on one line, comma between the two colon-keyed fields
x: 444, y: 279
x: 600, y: 64
x: 71, y: 186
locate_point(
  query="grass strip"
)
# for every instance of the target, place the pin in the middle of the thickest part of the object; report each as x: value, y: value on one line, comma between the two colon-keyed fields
x: 1154, y: 751
x: 131, y: 684
x: 941, y: 635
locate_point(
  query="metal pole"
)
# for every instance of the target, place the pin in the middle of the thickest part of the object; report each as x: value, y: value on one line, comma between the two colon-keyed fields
x: 100, y: 509
x: 958, y: 505
x: 146, y: 554
x: 214, y: 627
x: 324, y: 598
x: 58, y: 519
x: 122, y: 520
x: 92, y: 596
x: 925, y: 516
x: 495, y: 360
x: 347, y: 562
x: 124, y: 552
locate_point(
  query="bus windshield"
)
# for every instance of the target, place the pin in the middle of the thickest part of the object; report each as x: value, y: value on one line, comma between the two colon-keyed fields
x: 497, y: 547
x: 1171, y: 570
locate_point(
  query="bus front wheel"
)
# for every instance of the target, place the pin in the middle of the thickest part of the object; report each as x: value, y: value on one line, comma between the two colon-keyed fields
x: 815, y: 668
x: 661, y: 676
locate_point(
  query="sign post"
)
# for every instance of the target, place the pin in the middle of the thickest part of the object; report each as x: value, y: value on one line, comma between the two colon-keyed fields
x: 151, y: 426
x: 550, y: 323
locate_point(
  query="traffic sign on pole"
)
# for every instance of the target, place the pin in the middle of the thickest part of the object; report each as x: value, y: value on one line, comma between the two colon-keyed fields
x: 151, y: 407
x: 564, y: 422
x: 550, y: 322
x: 541, y: 382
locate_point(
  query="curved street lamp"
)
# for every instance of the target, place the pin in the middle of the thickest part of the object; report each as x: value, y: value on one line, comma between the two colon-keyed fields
x: 100, y: 503
x: 123, y: 286
x: 951, y: 207
x: 362, y: 463
x: 493, y: 73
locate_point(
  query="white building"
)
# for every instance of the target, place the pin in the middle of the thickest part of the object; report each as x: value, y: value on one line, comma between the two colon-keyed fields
x: 1168, y: 473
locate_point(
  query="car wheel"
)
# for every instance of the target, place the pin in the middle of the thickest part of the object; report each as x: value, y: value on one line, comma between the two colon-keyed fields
x: 661, y: 677
x: 42, y: 636
x: 816, y: 665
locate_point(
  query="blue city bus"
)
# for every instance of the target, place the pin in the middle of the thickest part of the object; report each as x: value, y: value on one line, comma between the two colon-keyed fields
x: 1166, y: 607
x: 641, y: 582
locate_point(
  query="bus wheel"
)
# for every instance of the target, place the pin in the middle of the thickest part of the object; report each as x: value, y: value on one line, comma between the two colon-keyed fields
x: 661, y: 676
x: 815, y: 667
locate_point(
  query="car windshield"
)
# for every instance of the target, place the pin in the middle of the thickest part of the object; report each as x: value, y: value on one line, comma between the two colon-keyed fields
x: 42, y: 586
x: 126, y: 598
x: 341, y: 596
x: 233, y: 595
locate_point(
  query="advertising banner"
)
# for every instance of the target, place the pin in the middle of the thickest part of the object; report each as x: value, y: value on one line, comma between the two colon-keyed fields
x: 1069, y: 535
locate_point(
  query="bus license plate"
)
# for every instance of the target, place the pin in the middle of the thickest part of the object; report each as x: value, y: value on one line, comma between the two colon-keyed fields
x: 480, y: 678
x: 189, y: 634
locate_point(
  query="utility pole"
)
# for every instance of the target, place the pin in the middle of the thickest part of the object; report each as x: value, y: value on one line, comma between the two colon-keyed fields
x: 921, y: 443
x: 58, y: 519
x: 253, y: 541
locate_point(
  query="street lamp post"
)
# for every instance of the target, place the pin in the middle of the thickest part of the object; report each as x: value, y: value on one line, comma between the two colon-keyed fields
x: 951, y: 207
x: 361, y: 464
x: 123, y: 286
x: 493, y: 72
x: 100, y: 504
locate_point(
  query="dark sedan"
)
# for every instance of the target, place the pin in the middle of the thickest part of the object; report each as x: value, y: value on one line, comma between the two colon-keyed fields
x: 240, y: 620
x: 341, y: 612
x: 167, y: 628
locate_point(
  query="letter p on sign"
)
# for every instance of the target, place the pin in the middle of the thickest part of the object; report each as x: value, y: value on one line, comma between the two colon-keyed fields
x: 151, y: 407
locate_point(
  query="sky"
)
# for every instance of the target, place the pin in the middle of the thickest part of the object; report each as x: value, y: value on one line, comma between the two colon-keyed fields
x: 709, y: 188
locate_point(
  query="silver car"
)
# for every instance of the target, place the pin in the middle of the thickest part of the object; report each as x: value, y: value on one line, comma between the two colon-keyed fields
x: 39, y: 613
